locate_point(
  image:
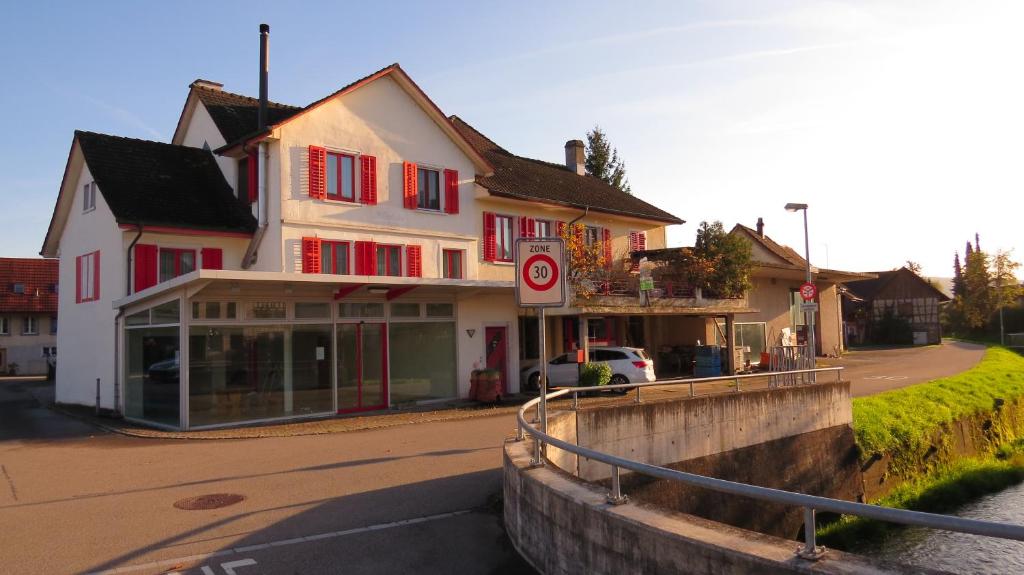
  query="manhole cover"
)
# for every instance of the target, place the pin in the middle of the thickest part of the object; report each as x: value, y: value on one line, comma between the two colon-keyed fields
x: 212, y: 501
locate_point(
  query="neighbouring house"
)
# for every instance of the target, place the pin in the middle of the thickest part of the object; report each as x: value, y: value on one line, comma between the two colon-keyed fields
x: 896, y: 307
x: 778, y: 273
x: 28, y: 315
x: 277, y: 262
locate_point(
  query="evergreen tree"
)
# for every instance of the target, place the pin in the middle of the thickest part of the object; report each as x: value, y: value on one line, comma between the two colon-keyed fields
x: 603, y: 161
x: 976, y: 304
x: 719, y: 263
x: 958, y: 277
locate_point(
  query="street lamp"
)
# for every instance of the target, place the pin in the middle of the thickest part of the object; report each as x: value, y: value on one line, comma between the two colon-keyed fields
x: 807, y: 256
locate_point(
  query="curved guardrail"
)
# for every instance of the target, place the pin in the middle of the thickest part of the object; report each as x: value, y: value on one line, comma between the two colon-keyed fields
x: 810, y: 503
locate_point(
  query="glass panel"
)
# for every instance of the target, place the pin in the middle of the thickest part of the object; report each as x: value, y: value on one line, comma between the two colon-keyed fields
x: 213, y: 310
x: 427, y: 368
x: 357, y: 310
x: 372, y: 362
x: 405, y: 310
x: 166, y: 265
x: 440, y: 310
x: 188, y: 262
x: 752, y: 335
x: 332, y: 174
x: 195, y: 310
x: 348, y: 367
x: 266, y: 310
x: 311, y: 369
x: 346, y: 178
x: 395, y: 261
x: 231, y: 312
x: 138, y: 318
x: 169, y: 312
x: 152, y: 364
x: 306, y: 310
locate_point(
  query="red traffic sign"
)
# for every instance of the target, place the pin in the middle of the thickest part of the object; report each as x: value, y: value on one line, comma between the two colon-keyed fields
x: 808, y: 291
x: 540, y: 272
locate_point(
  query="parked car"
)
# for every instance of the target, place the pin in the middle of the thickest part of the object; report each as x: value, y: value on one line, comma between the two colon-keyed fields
x: 629, y: 365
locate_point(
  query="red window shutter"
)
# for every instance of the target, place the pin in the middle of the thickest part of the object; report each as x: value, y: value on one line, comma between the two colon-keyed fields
x: 78, y: 279
x: 641, y: 241
x: 415, y: 256
x: 633, y: 241
x: 317, y: 165
x: 451, y: 191
x: 96, y: 277
x: 310, y: 255
x: 253, y: 180
x: 409, y: 185
x: 490, y: 242
x: 560, y: 229
x: 368, y: 179
x: 145, y: 266
x: 606, y: 240
x: 212, y: 259
x: 524, y: 230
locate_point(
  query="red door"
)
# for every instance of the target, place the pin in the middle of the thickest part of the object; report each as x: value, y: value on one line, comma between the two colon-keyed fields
x: 497, y: 353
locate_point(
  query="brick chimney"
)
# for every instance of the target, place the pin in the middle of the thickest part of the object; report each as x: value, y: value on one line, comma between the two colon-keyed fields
x: 760, y: 227
x: 574, y: 156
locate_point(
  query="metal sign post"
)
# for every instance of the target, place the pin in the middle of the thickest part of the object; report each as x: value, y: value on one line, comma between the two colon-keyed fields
x: 540, y: 283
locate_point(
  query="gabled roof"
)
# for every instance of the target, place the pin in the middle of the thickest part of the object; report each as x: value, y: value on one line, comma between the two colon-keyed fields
x: 868, y: 289
x: 535, y: 180
x: 236, y: 115
x: 791, y: 260
x: 37, y: 276
x: 396, y: 73
x: 152, y: 183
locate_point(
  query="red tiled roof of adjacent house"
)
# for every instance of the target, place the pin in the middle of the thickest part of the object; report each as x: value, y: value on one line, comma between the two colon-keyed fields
x: 536, y: 180
x: 37, y: 280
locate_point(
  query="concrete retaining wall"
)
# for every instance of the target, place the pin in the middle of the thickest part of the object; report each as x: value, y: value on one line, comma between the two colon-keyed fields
x: 562, y: 525
x: 670, y: 431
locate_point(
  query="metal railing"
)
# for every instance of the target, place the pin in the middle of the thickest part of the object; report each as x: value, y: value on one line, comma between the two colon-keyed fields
x: 810, y: 503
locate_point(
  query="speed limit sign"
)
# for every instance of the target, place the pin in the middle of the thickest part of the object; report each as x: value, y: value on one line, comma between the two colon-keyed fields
x: 540, y: 272
x: 808, y: 291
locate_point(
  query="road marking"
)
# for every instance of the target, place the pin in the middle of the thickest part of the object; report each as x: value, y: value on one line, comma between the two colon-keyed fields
x: 10, y: 483
x: 886, y: 377
x: 240, y: 550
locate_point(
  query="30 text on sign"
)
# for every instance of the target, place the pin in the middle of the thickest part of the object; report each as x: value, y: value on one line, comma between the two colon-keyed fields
x: 540, y: 272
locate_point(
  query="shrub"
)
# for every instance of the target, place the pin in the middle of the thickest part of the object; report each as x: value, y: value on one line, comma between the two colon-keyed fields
x: 594, y: 374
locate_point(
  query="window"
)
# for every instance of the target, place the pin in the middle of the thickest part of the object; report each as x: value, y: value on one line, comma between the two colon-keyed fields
x: 312, y: 310
x: 341, y: 177
x: 591, y: 235
x: 30, y: 326
x: 18, y: 288
x: 50, y: 351
x: 5, y: 326
x: 333, y: 257
x: 542, y: 228
x: 87, y: 279
x: 389, y: 260
x: 405, y: 310
x: 89, y: 197
x: 451, y: 264
x: 357, y: 310
x: 796, y: 315
x: 53, y: 324
x: 176, y: 262
x: 428, y: 192
x: 440, y: 310
x: 503, y: 238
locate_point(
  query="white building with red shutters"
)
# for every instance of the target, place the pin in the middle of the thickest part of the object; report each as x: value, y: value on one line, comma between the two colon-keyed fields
x: 352, y: 254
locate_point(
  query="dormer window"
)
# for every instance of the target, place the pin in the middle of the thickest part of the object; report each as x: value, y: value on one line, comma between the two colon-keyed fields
x: 89, y: 197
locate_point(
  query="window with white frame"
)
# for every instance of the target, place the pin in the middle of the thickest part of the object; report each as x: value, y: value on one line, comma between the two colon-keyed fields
x: 542, y: 228
x: 30, y: 325
x: 50, y: 351
x: 89, y: 197
x: 591, y: 236
x: 87, y: 280
x: 428, y: 192
x: 503, y: 238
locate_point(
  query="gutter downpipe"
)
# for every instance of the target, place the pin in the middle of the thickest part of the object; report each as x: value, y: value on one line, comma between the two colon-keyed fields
x: 262, y: 157
x: 117, y: 320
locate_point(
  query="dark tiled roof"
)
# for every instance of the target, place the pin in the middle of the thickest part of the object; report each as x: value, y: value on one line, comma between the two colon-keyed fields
x: 535, y: 180
x: 162, y: 184
x: 868, y: 289
x: 236, y: 115
x: 787, y: 253
x: 39, y: 278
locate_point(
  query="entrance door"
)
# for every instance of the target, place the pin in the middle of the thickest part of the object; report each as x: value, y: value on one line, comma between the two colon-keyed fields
x: 3, y: 361
x: 362, y: 367
x: 497, y: 352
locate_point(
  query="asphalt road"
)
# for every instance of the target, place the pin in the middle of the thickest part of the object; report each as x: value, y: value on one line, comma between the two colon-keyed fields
x: 415, y: 498
x: 877, y: 370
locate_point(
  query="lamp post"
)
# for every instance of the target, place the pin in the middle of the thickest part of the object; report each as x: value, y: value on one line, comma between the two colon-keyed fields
x: 807, y: 256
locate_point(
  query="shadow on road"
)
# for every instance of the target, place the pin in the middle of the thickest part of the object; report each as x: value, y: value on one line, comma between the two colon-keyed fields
x: 25, y: 415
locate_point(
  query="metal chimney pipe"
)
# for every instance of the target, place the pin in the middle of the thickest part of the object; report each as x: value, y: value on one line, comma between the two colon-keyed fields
x: 264, y: 72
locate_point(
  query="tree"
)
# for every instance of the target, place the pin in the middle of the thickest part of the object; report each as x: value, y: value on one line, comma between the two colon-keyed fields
x: 719, y: 263
x: 1004, y: 281
x: 603, y: 161
x: 958, y: 277
x: 976, y: 304
x: 585, y: 263
x: 913, y: 266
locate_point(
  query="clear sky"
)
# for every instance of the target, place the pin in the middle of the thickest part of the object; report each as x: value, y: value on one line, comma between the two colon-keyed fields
x: 899, y: 123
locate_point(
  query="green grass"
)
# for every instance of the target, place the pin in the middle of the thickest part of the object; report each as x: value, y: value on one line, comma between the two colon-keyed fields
x: 902, y: 422
x: 943, y: 490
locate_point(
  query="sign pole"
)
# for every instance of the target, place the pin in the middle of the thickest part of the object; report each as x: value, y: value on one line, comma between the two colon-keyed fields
x: 543, y: 377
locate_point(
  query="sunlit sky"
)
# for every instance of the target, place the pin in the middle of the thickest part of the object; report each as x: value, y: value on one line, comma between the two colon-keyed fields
x: 899, y: 123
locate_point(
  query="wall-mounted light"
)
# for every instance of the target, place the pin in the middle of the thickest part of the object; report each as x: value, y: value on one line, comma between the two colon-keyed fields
x: 470, y: 332
x: 378, y: 289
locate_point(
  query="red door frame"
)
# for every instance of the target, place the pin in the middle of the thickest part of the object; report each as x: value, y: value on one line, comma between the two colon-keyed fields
x: 359, y: 368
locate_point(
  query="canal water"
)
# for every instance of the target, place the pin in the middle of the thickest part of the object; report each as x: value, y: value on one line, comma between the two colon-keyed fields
x: 957, y: 552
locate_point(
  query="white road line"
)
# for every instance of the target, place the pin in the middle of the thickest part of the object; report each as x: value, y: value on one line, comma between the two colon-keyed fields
x: 245, y: 549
